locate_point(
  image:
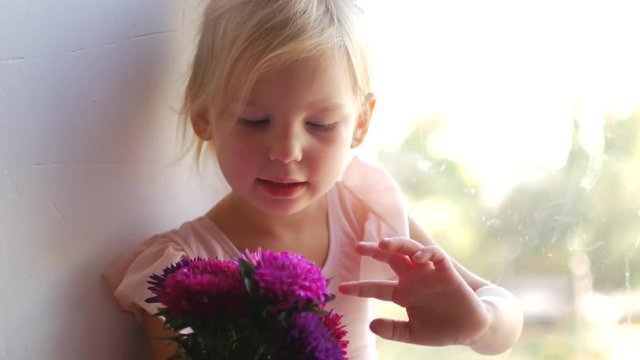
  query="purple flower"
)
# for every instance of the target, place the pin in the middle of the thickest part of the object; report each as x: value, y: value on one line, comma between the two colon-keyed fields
x: 265, y: 304
x: 200, y: 287
x: 287, y: 279
x: 308, y: 338
x: 157, y: 281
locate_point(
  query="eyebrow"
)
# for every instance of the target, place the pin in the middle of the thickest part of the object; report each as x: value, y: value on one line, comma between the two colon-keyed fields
x: 320, y: 106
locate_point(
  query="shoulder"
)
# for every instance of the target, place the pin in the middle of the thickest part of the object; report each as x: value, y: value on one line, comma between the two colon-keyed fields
x: 199, y: 237
x: 350, y: 207
x: 366, y: 173
x: 179, y: 239
x: 156, y: 251
x: 127, y: 276
x: 183, y: 235
x: 371, y: 192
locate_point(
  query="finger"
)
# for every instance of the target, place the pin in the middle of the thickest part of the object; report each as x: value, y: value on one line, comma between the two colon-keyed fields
x: 432, y: 253
x: 373, y: 250
x: 400, y: 264
x: 391, y: 329
x: 420, y: 254
x: 378, y: 289
x: 401, y: 245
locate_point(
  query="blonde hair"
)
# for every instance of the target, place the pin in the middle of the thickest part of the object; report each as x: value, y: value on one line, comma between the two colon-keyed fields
x: 242, y: 39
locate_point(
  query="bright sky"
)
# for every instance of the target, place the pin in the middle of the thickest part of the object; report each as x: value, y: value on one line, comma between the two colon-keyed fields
x: 507, y: 76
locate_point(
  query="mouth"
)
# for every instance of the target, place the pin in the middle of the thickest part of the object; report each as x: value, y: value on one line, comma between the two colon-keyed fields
x: 282, y: 181
x: 282, y: 188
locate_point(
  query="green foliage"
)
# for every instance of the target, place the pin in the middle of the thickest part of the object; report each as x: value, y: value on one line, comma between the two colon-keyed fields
x: 422, y: 174
x: 542, y: 224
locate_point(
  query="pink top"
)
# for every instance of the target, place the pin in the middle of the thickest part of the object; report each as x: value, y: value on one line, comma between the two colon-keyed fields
x: 365, y: 205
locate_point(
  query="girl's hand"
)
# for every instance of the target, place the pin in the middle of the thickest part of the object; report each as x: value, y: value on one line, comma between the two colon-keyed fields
x: 441, y: 307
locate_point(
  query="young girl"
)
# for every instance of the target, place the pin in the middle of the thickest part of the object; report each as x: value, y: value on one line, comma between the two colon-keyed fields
x: 279, y: 92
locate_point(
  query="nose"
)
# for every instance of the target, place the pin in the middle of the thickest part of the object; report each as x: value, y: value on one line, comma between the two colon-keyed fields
x: 285, y: 147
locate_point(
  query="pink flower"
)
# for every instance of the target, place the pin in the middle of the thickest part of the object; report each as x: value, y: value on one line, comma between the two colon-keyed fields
x: 287, y: 279
x: 203, y: 287
x: 264, y: 305
x: 333, y: 323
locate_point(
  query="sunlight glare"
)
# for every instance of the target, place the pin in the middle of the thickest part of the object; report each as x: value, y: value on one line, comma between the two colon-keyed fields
x: 508, y: 78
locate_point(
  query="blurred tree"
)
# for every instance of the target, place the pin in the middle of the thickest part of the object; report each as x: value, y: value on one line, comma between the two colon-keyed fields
x: 540, y: 224
x: 430, y: 181
x: 549, y: 220
x: 420, y: 173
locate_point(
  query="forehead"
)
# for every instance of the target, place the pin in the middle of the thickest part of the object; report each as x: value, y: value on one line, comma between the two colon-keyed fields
x: 305, y: 82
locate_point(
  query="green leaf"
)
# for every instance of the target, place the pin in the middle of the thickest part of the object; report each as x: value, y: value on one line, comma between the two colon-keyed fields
x: 247, y: 270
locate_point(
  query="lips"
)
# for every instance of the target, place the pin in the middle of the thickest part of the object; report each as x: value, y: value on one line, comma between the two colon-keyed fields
x: 282, y: 188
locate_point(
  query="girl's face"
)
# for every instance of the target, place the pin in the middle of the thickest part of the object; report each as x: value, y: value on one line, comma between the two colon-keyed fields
x: 286, y: 147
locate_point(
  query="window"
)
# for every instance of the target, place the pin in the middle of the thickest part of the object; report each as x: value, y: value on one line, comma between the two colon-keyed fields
x: 514, y: 129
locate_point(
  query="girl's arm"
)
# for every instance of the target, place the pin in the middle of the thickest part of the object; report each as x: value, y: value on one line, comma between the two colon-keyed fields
x: 160, y: 349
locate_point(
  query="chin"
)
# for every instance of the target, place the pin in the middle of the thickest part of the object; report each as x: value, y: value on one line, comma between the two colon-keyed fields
x: 281, y: 210
x: 281, y: 207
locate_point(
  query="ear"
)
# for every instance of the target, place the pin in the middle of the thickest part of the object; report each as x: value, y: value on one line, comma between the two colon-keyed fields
x: 364, y: 120
x: 201, y: 123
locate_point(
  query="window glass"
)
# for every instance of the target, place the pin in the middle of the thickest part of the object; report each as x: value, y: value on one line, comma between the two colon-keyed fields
x: 513, y: 128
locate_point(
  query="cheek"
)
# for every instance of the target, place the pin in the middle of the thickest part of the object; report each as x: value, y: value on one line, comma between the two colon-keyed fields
x: 232, y: 142
x: 236, y: 156
x: 333, y: 154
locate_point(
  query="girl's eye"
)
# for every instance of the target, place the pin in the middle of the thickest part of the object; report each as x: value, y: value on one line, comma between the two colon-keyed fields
x: 321, y: 127
x: 254, y: 123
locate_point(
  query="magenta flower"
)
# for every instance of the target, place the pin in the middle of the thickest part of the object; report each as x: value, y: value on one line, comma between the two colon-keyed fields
x: 287, y: 279
x: 333, y: 323
x: 264, y: 305
x: 202, y: 287
x: 157, y: 281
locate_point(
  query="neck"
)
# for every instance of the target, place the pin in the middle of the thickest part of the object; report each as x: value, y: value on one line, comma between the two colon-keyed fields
x: 248, y: 227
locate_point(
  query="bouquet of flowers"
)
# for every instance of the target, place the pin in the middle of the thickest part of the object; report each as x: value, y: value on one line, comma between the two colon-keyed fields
x: 263, y: 305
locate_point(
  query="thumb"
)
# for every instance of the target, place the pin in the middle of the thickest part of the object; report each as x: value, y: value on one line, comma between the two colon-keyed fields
x: 391, y: 329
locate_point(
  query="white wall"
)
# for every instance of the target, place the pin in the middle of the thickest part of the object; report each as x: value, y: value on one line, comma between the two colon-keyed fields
x: 88, y: 92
